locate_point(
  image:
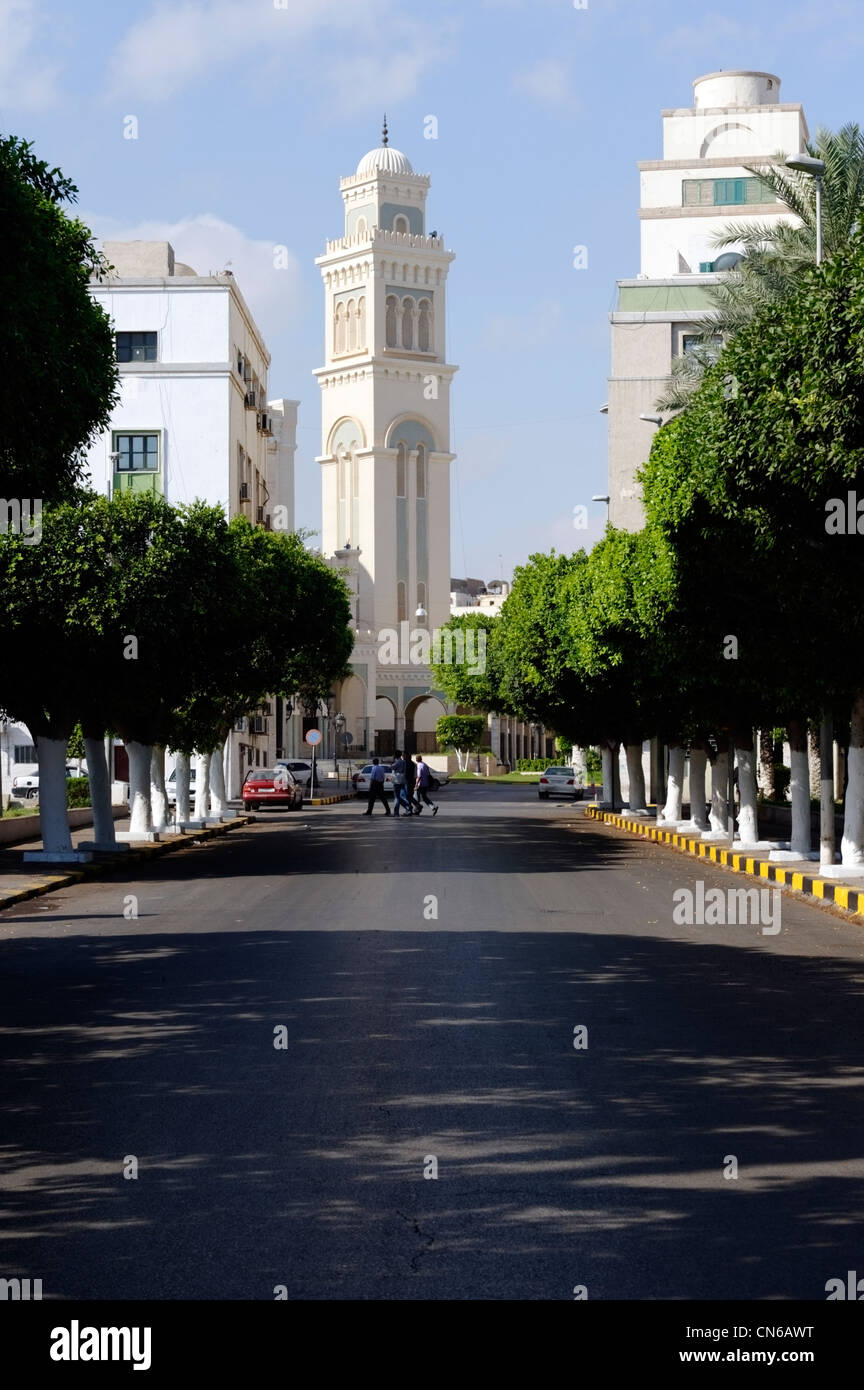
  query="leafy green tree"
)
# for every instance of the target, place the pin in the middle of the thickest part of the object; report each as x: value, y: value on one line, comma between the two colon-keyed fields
x: 461, y: 732
x: 750, y: 476
x: 470, y: 677
x: 59, y: 382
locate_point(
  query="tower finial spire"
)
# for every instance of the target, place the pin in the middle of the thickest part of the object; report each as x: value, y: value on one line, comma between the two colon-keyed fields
x: 385, y: 138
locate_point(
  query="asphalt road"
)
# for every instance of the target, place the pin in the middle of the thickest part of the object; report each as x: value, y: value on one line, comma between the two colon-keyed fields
x: 410, y: 1037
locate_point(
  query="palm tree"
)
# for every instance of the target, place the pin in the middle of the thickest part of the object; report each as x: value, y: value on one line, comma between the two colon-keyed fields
x: 773, y: 258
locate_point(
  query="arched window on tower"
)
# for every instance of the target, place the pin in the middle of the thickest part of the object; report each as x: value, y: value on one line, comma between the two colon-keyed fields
x: 400, y: 224
x: 352, y: 326
x: 339, y: 329
x: 400, y: 471
x: 361, y: 321
x: 407, y: 322
x: 401, y: 602
x: 424, y: 327
x: 390, y: 321
x: 421, y: 470
x: 361, y: 226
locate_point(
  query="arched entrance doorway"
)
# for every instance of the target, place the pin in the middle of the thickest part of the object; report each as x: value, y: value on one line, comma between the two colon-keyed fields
x: 421, y: 716
x: 385, y: 726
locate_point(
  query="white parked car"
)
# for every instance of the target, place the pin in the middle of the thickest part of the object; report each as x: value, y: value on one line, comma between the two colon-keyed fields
x: 560, y: 781
x: 301, y: 771
x: 171, y: 785
x: 26, y: 786
x: 361, y: 780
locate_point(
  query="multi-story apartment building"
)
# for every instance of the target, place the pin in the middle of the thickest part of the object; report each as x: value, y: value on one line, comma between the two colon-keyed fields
x: 694, y: 191
x: 194, y: 419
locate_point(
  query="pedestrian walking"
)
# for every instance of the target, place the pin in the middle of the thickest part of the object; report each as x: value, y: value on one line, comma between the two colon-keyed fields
x: 424, y: 781
x: 410, y: 782
x: 376, y: 786
x: 400, y: 795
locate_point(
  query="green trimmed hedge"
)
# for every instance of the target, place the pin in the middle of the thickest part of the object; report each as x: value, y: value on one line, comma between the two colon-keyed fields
x: 77, y: 792
x: 532, y: 764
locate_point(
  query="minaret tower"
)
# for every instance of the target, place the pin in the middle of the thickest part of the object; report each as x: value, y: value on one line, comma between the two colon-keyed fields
x: 385, y: 391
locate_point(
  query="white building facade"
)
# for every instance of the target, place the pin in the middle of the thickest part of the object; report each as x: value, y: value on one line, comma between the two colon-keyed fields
x: 385, y: 459
x: 699, y: 186
x: 194, y: 420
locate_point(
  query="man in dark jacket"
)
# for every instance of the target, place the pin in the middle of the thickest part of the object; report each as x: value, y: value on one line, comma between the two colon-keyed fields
x: 410, y: 780
x: 400, y: 797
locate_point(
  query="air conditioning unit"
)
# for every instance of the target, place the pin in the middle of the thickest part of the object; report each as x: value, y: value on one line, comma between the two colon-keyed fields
x: 257, y: 724
x: 251, y: 402
x: 260, y: 514
x: 268, y: 523
x: 240, y: 725
x: 266, y: 424
x: 244, y: 492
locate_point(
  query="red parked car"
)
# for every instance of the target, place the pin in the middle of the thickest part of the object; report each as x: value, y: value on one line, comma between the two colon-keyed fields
x: 271, y: 786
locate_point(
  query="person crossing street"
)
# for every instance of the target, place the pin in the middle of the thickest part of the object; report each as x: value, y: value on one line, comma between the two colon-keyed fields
x: 424, y: 779
x: 400, y: 796
x: 376, y: 786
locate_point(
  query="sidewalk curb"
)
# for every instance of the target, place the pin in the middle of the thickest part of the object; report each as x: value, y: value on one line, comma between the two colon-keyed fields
x: 328, y: 800
x: 824, y: 889
x: 103, y: 868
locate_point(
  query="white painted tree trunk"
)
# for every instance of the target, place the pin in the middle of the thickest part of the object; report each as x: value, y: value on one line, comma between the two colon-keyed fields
x: 748, y: 820
x: 158, y: 797
x: 218, y: 799
x: 53, y: 816
x: 100, y: 791
x: 674, y: 783
x: 202, y: 785
x: 799, y: 788
x: 698, y: 765
x: 140, y: 811
x: 580, y: 763
x: 181, y: 778
x: 719, y: 813
x: 635, y: 776
x: 608, y: 784
x: 852, y: 843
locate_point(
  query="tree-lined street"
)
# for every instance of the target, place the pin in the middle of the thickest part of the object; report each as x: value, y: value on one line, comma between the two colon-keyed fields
x: 409, y: 1038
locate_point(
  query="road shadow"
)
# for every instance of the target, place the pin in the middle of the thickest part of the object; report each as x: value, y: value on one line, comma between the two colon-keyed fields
x: 302, y: 1165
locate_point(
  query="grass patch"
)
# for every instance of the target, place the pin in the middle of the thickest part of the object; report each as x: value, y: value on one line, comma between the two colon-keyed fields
x: 12, y: 811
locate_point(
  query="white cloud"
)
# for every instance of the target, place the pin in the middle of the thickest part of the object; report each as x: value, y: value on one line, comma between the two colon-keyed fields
x: 28, y: 82
x: 175, y: 44
x: 547, y: 82
x: 207, y: 244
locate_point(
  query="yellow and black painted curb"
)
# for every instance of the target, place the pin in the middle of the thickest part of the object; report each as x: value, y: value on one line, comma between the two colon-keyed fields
x: 825, y: 889
x: 329, y: 800
x: 100, y: 868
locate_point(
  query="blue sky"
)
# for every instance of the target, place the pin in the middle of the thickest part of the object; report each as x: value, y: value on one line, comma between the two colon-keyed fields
x: 248, y: 115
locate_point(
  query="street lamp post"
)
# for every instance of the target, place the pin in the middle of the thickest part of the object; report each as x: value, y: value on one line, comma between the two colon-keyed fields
x: 338, y: 726
x: 808, y: 164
